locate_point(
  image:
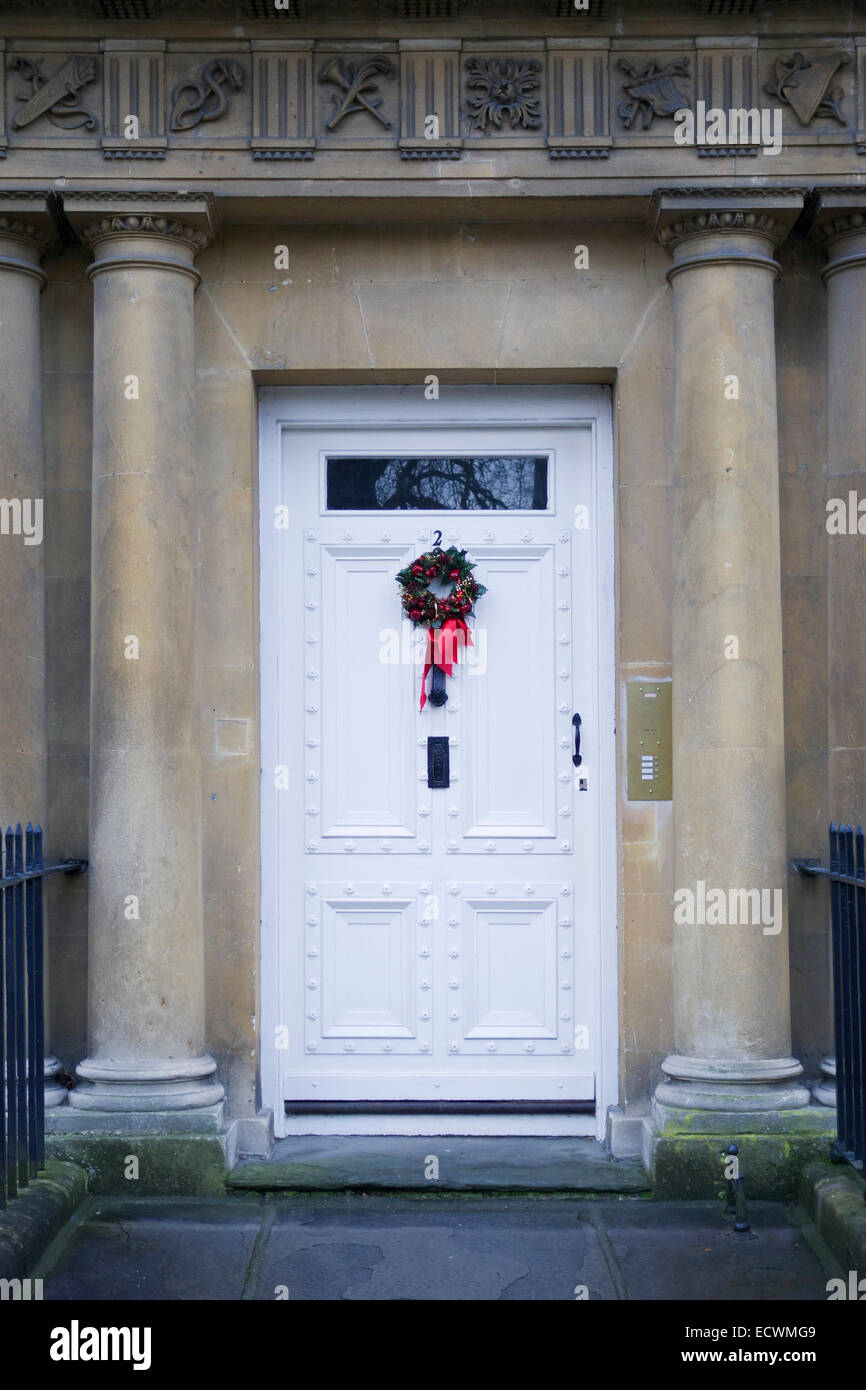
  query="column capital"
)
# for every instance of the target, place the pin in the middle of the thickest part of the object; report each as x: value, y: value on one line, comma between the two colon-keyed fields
x: 137, y: 224
x: 839, y: 227
x: 122, y: 228
x: 25, y: 233
x: 698, y: 225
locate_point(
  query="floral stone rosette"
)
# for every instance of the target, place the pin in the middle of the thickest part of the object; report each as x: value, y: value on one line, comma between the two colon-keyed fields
x: 443, y: 615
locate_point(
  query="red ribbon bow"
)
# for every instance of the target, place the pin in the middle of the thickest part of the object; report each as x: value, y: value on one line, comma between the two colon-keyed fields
x: 443, y: 646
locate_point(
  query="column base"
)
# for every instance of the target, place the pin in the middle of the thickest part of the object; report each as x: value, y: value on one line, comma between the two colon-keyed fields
x: 210, y: 1119
x: 683, y: 1148
x: 164, y: 1084
x: 173, y: 1164
x: 825, y: 1091
x: 744, y: 1085
x: 55, y: 1094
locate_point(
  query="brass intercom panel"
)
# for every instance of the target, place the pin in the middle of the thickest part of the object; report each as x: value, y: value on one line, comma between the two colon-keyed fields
x: 649, y: 754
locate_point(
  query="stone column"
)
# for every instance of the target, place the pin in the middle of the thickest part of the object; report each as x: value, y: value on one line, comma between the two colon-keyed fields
x: 146, y: 964
x: 23, y: 779
x: 731, y: 983
x: 840, y: 227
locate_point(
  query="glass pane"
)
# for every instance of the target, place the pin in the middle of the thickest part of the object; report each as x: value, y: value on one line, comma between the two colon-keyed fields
x: 446, y: 483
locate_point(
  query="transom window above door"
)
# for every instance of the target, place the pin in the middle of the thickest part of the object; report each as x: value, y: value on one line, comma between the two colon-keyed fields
x: 442, y: 482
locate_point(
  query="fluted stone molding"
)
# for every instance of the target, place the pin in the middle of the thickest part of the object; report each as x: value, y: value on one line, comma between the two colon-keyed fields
x: 732, y: 1040
x: 840, y: 229
x: 146, y: 963
x: 24, y: 237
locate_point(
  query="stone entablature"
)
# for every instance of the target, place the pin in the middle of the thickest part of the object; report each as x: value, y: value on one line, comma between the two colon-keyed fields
x: 445, y: 98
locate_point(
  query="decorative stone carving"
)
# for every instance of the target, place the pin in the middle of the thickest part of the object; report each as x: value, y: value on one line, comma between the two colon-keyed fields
x: 133, y: 122
x: 283, y: 154
x: 356, y: 82
x: 727, y: 221
x: 503, y: 86
x: 578, y: 101
x: 130, y: 224
x: 283, y: 119
x: 57, y: 96
x: 205, y: 100
x: 426, y: 9
x: 579, y: 152
x: 804, y: 85
x: 652, y: 90
x: 824, y: 232
x: 14, y: 227
x: 438, y: 153
x: 429, y: 98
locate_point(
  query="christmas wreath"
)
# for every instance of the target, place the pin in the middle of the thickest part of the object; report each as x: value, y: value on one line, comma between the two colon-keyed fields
x: 445, y: 615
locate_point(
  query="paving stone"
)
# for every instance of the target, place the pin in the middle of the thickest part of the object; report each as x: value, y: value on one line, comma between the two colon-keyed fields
x: 689, y: 1251
x: 432, y: 1247
x: 433, y: 1250
x: 158, y: 1250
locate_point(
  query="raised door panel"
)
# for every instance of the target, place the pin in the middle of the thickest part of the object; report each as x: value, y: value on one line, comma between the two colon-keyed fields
x: 360, y: 758
x: 368, y: 975
x: 516, y: 770
x: 510, y: 972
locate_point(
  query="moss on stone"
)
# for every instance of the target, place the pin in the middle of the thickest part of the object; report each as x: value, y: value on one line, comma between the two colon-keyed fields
x: 690, y: 1166
x: 178, y: 1165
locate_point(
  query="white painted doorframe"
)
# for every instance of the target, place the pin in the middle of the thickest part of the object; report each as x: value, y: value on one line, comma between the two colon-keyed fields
x: 282, y: 409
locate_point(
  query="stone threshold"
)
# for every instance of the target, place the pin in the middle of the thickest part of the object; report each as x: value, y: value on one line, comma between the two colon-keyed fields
x: 434, y: 1164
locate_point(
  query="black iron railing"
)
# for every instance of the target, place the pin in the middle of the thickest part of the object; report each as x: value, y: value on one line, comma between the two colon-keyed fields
x: 847, y: 876
x: 22, y: 1022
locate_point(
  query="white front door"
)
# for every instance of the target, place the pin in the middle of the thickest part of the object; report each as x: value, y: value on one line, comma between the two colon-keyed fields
x: 434, y: 943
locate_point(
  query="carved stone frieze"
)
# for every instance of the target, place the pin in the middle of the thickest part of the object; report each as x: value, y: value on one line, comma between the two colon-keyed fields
x: 56, y: 96
x: 503, y: 88
x: 425, y: 96
x: 806, y: 85
x: 359, y: 87
x: 652, y: 91
x: 207, y: 99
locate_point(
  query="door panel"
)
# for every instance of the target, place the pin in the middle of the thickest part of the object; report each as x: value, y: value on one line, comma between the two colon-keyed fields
x: 509, y: 740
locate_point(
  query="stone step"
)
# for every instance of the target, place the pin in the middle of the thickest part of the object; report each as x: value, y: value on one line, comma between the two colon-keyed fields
x: 383, y: 1163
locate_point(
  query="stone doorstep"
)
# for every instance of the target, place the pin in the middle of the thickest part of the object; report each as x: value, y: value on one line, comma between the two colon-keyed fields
x: 33, y: 1219
x: 477, y: 1164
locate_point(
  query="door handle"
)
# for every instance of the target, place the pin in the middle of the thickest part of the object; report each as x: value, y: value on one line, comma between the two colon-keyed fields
x: 575, y: 757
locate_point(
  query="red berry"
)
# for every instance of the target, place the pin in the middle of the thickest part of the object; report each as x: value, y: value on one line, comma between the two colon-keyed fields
x: 454, y: 574
x: 416, y: 569
x: 415, y: 614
